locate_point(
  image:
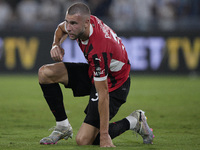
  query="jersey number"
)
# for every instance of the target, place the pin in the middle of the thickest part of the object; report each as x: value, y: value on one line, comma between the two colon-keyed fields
x: 116, y: 38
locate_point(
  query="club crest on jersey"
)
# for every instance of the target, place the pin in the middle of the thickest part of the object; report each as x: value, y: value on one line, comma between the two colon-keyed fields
x: 98, y: 72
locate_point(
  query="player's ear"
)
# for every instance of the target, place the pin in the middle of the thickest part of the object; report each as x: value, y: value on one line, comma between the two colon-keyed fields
x: 87, y: 22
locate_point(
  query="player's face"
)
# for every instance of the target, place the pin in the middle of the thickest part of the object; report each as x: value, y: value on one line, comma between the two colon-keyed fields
x: 75, y: 26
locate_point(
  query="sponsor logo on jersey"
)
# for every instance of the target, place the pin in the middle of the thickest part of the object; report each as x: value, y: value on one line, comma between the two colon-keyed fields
x: 98, y: 72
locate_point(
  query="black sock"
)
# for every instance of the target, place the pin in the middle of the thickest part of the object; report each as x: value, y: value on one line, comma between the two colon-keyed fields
x: 53, y: 95
x: 115, y: 129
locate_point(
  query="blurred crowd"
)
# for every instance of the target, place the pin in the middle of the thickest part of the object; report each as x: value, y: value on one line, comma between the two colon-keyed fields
x: 122, y: 15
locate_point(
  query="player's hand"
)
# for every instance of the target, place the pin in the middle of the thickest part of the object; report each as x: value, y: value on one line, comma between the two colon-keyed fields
x: 106, y: 141
x: 57, y: 53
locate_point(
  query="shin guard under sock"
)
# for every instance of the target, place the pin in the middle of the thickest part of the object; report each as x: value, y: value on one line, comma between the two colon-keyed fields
x: 53, y: 95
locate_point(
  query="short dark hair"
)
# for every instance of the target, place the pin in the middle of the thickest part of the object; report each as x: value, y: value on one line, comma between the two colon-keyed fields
x: 80, y: 8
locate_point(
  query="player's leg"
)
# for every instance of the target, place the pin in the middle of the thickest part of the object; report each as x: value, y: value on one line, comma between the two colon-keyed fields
x: 89, y: 131
x: 136, y: 121
x: 49, y: 78
x: 89, y: 135
x: 90, y: 127
x: 117, y: 98
x: 53, y: 73
x: 115, y: 129
x: 72, y: 75
x: 86, y: 134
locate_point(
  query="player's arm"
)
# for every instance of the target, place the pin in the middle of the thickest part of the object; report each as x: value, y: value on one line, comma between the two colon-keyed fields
x: 57, y: 52
x: 103, y: 106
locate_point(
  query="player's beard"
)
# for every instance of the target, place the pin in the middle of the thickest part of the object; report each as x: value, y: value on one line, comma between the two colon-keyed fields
x: 79, y: 35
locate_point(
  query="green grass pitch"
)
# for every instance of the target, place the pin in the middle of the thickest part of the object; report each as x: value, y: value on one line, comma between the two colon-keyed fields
x: 171, y: 104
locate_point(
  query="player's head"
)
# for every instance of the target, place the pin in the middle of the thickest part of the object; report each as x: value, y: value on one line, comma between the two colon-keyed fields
x: 77, y: 20
x: 80, y: 8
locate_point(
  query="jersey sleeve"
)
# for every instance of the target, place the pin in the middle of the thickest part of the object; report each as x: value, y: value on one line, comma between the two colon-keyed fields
x: 100, y: 66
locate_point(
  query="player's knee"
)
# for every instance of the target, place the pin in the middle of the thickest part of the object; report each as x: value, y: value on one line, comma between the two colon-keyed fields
x: 81, y: 140
x: 44, y: 74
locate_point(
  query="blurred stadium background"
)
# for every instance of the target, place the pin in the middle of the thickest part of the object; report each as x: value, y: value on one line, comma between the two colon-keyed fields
x: 161, y: 36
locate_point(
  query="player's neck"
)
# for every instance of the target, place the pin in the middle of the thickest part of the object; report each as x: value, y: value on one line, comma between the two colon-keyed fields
x: 88, y: 32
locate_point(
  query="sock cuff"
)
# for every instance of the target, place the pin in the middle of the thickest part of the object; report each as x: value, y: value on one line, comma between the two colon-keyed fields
x: 133, y: 121
x: 50, y: 85
x: 62, y: 123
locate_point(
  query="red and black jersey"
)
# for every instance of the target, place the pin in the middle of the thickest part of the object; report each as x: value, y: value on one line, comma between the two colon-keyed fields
x: 106, y: 55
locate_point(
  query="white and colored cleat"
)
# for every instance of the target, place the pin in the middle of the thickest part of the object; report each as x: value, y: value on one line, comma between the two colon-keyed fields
x: 142, y: 127
x: 60, y: 132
